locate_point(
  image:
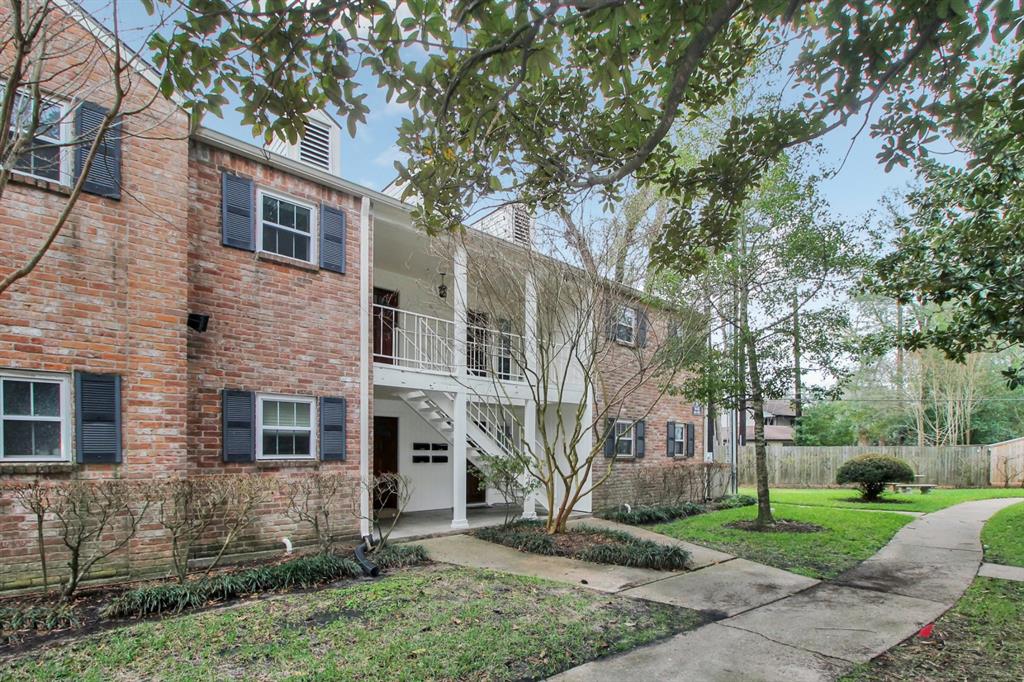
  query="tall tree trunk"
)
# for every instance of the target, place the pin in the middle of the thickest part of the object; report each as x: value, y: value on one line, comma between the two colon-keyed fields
x: 798, y: 404
x: 764, y: 505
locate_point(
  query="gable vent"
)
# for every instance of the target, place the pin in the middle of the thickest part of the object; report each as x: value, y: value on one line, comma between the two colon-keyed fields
x: 520, y: 225
x: 315, y: 146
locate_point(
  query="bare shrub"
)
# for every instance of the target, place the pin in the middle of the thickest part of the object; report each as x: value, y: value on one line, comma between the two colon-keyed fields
x: 36, y: 498
x: 316, y: 500
x: 97, y: 519
x: 382, y: 490
x: 510, y: 476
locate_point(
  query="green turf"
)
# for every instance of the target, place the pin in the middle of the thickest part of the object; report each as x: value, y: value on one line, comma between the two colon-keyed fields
x: 1003, y: 537
x: 849, y: 537
x: 849, y: 498
x: 981, y: 638
x: 433, y: 623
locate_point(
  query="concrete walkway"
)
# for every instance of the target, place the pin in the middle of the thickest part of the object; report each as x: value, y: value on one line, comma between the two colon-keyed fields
x: 817, y: 632
x: 1015, y: 573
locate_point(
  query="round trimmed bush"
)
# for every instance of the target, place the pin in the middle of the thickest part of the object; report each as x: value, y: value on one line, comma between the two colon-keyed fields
x: 872, y: 472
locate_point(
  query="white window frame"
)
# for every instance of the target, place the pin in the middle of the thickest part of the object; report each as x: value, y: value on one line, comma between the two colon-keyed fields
x: 64, y: 381
x: 64, y: 149
x: 633, y: 325
x: 313, y: 425
x: 314, y: 225
x: 628, y: 432
x: 679, y: 440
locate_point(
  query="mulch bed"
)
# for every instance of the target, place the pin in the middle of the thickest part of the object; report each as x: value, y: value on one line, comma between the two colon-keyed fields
x: 780, y: 526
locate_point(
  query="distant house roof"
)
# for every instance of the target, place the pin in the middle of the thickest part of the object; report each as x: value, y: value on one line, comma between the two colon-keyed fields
x: 772, y: 433
x: 782, y: 408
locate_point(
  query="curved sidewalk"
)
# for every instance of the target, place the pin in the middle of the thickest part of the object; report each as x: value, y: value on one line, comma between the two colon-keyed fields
x: 818, y: 633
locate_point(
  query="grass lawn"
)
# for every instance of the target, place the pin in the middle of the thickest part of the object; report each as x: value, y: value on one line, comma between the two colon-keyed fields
x: 849, y: 537
x: 981, y: 638
x: 425, y: 623
x: 1003, y: 537
x: 847, y: 497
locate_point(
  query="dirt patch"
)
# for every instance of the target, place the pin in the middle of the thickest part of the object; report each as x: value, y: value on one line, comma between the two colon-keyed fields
x: 572, y: 543
x: 780, y: 526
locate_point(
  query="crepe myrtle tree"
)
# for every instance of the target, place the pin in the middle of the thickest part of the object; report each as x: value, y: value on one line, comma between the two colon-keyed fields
x: 591, y: 340
x: 548, y: 100
x: 50, y: 130
x: 790, y: 264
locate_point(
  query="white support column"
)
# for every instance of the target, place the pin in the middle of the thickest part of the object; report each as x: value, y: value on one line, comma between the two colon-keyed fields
x: 459, y: 463
x: 531, y: 353
x: 459, y: 418
x: 365, y: 292
x: 586, y: 445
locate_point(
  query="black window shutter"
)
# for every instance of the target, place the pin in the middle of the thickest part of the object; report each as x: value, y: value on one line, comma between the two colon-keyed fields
x: 97, y: 418
x: 237, y: 214
x: 332, y: 238
x: 691, y: 445
x: 238, y: 438
x: 639, y: 432
x: 104, y: 177
x: 609, y: 321
x: 670, y: 439
x: 609, y: 438
x: 332, y: 429
x: 642, y: 324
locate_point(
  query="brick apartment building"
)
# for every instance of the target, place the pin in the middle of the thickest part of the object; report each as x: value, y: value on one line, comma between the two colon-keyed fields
x: 215, y: 307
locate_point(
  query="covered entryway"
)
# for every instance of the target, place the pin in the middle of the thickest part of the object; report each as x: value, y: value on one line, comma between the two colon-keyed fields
x: 385, y: 455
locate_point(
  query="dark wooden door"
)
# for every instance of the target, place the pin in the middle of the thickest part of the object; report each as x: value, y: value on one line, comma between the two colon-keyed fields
x: 474, y: 493
x: 385, y: 455
x: 384, y: 325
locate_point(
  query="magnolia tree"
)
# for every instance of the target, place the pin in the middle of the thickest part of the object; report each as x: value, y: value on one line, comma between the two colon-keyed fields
x: 591, y: 353
x: 64, y: 101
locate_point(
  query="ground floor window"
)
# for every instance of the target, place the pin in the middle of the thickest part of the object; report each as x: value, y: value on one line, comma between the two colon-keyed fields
x: 679, y: 439
x: 287, y: 427
x: 624, y: 438
x: 34, y: 417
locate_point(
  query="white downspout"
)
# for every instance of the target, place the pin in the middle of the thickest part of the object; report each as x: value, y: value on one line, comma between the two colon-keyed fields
x: 365, y: 237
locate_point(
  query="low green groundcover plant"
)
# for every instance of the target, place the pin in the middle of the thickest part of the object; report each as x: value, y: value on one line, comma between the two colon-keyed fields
x: 663, y: 513
x: 586, y: 543
x: 303, y: 572
x: 19, y: 619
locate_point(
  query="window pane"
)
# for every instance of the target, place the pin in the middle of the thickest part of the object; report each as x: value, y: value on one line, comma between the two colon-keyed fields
x: 269, y: 239
x: 17, y: 438
x: 270, y: 209
x: 301, y: 414
x: 285, y: 443
x: 286, y: 214
x: 269, y: 443
x: 47, y: 441
x: 624, y: 446
x: 302, y: 219
x: 46, y: 400
x: 301, y: 247
x: 302, y: 443
x: 270, y: 412
x: 46, y: 161
x: 286, y: 243
x: 17, y: 397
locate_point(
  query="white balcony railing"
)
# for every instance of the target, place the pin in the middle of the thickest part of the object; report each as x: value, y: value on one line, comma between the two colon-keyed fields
x: 426, y: 343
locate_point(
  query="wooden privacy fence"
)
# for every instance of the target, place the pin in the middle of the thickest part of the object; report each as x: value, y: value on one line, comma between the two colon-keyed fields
x: 965, y: 466
x: 1007, y: 463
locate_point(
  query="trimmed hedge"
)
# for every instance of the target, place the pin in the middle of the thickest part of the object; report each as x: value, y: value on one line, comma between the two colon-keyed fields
x: 734, y: 501
x: 872, y: 472
x: 622, y: 550
x: 303, y: 572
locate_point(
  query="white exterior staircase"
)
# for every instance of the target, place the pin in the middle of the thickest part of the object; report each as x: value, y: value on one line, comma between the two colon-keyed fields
x: 486, y: 427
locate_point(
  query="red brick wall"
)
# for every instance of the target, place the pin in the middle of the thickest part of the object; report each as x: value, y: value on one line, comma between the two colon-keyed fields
x: 275, y: 327
x: 109, y: 296
x: 626, y: 396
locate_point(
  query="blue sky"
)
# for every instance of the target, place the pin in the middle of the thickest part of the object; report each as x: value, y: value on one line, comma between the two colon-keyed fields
x: 369, y: 158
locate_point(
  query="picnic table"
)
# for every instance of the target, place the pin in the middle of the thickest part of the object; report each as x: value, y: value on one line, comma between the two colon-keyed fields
x: 925, y: 488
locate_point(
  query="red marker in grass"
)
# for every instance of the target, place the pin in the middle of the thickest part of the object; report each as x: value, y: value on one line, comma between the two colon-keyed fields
x: 926, y: 631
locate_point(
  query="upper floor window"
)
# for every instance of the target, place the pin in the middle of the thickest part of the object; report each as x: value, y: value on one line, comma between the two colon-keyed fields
x: 626, y: 326
x: 44, y: 155
x: 286, y: 227
x: 34, y: 417
x: 287, y: 427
